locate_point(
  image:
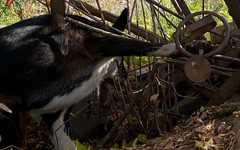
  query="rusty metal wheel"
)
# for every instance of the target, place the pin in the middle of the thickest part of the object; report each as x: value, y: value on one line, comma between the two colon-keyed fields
x: 188, y: 20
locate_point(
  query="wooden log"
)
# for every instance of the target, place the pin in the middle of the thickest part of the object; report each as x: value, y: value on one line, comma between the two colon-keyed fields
x: 215, y: 39
x: 199, y: 28
x: 227, y: 90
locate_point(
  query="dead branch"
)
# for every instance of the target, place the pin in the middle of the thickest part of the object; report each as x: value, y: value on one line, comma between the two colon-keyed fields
x: 144, y: 33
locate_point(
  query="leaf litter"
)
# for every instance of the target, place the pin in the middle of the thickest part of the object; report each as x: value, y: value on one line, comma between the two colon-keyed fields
x: 209, y: 128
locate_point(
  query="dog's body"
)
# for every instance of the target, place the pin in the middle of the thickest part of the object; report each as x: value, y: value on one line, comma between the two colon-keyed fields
x: 48, y: 65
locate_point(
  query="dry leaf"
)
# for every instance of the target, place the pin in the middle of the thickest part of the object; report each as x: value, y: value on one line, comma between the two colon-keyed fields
x: 199, y: 144
x: 168, y: 146
x: 154, y: 98
x: 209, y: 144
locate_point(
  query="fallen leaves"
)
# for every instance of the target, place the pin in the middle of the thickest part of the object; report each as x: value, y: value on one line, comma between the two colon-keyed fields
x: 200, y: 131
x: 236, y: 114
x: 36, y: 136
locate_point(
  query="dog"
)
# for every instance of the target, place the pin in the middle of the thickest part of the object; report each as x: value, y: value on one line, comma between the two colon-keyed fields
x: 49, y: 63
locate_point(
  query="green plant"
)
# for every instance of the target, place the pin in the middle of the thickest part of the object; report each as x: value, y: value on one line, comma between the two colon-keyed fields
x: 12, y: 11
x: 7, y: 14
x: 38, y: 118
x: 142, y: 138
x: 80, y: 146
x: 225, y: 112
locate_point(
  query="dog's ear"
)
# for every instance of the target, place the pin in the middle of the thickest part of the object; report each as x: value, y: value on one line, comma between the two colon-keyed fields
x: 58, y: 7
x: 121, y: 22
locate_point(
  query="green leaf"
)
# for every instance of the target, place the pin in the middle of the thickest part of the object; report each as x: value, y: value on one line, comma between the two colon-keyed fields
x: 202, y: 108
x: 229, y: 127
x: 80, y: 146
x: 38, y: 118
x: 116, y: 146
x: 172, y: 39
x: 134, y: 118
x: 130, y: 144
x: 142, y: 138
x: 180, y: 140
x: 119, y: 103
x: 124, y: 143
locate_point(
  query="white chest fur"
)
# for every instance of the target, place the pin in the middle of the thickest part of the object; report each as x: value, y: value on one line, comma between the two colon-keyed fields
x: 86, y: 88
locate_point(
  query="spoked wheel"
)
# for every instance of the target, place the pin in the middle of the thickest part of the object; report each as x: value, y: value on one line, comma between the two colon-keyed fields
x: 191, y: 39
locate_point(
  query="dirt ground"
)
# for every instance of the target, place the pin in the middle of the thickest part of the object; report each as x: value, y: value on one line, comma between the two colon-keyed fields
x: 209, y: 128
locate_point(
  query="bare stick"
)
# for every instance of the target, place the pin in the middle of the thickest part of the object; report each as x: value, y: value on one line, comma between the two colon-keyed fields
x: 99, y: 7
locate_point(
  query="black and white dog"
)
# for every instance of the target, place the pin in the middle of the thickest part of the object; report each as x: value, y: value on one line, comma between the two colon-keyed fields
x: 48, y: 64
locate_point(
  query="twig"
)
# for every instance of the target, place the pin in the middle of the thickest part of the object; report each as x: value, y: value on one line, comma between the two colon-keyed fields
x: 118, y: 123
x: 227, y: 58
x: 204, y: 86
x: 165, y: 8
x: 153, y: 22
x: 164, y: 16
x: 93, y: 29
x: 160, y: 26
x: 178, y: 115
x: 173, y: 88
x: 11, y: 147
x: 131, y: 15
x: 69, y: 120
x: 85, y: 12
x: 45, y: 4
x: 103, y: 32
x: 127, y: 111
x: 144, y: 19
x: 223, y: 68
x: 82, y: 6
x: 99, y: 7
x: 121, y: 91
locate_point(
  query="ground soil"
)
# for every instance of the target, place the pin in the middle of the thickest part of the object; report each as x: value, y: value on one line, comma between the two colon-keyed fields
x: 209, y: 128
